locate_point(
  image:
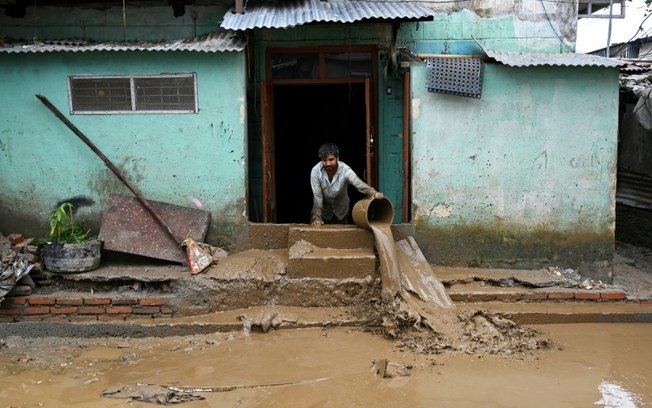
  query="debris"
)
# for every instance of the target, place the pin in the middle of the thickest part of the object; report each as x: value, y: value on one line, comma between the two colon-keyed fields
x: 154, y: 394
x: 264, y: 320
x: 387, y: 369
x: 223, y: 388
x: 201, y: 256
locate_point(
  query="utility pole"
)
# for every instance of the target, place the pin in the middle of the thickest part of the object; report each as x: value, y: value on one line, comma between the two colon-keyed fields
x: 611, y: 10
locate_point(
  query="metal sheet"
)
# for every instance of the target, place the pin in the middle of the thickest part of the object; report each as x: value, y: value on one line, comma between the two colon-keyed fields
x: 128, y: 227
x: 291, y: 13
x: 567, y: 59
x: 212, y: 42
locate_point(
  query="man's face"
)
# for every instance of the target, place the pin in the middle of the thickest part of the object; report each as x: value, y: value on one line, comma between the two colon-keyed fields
x: 330, y: 163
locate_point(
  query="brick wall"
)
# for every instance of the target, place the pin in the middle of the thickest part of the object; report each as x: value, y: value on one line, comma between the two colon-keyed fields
x: 82, y: 309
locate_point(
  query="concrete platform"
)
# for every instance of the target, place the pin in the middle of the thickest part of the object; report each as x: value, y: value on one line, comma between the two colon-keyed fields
x: 254, y: 318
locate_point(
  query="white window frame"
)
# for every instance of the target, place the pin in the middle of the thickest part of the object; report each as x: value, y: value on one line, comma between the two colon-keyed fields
x: 596, y: 5
x: 132, y: 90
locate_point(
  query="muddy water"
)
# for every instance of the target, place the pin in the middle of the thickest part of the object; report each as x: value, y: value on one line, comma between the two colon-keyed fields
x: 400, y: 272
x: 601, y: 364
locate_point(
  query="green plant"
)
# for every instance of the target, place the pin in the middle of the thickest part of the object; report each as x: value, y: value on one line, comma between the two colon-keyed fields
x: 64, y: 228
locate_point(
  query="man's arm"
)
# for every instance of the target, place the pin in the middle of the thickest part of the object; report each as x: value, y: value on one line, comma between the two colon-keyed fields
x: 317, y: 199
x: 361, y: 186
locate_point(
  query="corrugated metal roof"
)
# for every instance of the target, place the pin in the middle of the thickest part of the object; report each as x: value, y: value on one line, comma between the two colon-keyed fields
x: 568, y: 59
x: 213, y: 42
x: 297, y: 12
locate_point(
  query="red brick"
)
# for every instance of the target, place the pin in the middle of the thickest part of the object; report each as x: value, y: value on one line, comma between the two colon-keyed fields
x: 167, y: 310
x: 36, y: 310
x: 646, y: 302
x: 124, y: 301
x: 560, y: 295
x: 64, y: 310
x: 38, y: 300
x: 11, y: 311
x: 90, y: 310
x: 15, y: 238
x: 22, y: 244
x: 152, y: 302
x: 535, y: 296
x: 119, y: 310
x: 20, y: 300
x: 587, y: 295
x: 97, y: 301
x: 70, y: 301
x: 147, y: 310
x: 613, y: 295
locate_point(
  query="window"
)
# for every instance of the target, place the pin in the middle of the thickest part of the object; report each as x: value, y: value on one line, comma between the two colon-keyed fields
x: 166, y: 93
x: 319, y: 64
x: 600, y: 9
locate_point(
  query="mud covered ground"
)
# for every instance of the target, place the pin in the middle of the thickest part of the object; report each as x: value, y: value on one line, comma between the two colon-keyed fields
x: 590, y: 365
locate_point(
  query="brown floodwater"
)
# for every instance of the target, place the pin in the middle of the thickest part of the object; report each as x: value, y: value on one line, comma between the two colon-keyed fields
x: 591, y: 365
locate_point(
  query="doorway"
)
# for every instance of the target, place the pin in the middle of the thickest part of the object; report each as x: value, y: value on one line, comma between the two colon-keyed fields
x: 304, y: 117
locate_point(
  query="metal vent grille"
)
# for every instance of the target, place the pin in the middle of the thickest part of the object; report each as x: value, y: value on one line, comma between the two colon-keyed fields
x: 164, y: 94
x: 100, y: 94
x: 171, y: 93
x: 455, y: 76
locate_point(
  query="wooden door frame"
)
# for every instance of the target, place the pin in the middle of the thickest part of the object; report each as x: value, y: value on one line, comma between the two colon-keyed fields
x: 268, y: 109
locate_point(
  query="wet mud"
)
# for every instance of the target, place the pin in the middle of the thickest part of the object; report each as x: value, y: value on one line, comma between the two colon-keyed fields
x: 592, y: 365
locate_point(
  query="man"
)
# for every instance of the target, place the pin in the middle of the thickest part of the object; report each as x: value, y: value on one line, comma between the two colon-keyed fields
x: 330, y: 179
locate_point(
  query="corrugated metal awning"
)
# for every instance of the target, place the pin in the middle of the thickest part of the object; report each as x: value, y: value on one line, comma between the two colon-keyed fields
x: 213, y: 42
x: 568, y: 59
x: 298, y: 12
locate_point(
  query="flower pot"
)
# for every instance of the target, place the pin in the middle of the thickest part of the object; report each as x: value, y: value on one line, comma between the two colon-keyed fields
x: 71, y: 258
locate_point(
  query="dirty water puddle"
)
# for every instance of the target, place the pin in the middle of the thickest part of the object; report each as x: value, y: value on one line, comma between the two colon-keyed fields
x: 602, y: 364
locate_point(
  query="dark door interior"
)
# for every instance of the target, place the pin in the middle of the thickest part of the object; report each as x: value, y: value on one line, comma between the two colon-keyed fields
x: 305, y: 117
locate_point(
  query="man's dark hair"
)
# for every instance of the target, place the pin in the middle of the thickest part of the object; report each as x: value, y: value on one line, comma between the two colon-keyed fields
x: 328, y: 148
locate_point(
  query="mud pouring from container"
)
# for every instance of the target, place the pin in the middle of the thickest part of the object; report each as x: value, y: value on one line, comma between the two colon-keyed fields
x: 377, y: 214
x: 403, y: 268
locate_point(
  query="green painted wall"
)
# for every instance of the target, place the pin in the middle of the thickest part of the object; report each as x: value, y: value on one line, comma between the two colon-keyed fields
x: 169, y: 157
x: 524, y: 175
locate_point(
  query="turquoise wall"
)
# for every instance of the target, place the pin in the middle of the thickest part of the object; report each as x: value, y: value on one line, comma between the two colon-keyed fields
x: 461, y: 32
x: 169, y: 157
x: 525, y: 173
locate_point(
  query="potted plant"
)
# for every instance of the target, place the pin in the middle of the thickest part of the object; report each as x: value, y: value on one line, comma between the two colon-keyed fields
x: 69, y: 247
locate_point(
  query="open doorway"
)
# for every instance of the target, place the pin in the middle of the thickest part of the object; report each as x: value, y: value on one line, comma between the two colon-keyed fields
x: 304, y: 117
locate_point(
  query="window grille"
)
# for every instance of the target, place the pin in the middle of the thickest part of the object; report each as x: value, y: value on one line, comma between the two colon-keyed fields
x: 174, y: 93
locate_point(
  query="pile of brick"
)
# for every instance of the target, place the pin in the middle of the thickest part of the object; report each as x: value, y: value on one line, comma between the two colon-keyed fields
x: 19, y: 264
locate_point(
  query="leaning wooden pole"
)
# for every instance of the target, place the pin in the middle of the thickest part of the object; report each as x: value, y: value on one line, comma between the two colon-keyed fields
x: 111, y: 166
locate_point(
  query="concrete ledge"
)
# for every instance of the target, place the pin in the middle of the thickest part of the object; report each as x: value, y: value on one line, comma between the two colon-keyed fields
x: 290, y: 317
x: 559, y: 313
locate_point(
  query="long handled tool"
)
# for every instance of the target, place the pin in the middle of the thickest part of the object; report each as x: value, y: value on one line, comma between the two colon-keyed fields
x: 198, y: 258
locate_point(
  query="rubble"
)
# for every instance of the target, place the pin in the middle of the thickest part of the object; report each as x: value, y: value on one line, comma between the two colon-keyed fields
x: 18, y: 257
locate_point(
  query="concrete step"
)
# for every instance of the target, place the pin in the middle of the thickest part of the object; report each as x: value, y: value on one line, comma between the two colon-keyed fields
x: 567, y: 312
x: 332, y: 236
x: 481, y: 292
x: 309, y: 261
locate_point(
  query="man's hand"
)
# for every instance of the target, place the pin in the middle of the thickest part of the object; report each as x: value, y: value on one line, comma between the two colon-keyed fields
x: 317, y: 222
x: 378, y: 195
